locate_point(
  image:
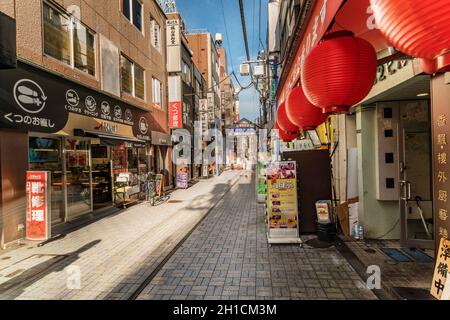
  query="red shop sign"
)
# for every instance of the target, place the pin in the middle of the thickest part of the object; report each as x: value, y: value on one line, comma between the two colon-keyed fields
x: 321, y: 17
x: 38, y: 205
x: 175, y: 112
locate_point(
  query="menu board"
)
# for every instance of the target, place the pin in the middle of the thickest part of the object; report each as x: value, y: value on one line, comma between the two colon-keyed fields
x: 282, y: 211
x: 262, y: 184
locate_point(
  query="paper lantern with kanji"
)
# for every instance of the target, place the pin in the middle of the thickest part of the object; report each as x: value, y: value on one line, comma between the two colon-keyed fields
x: 418, y: 28
x: 301, y: 112
x: 339, y: 72
x: 284, y: 122
x: 283, y: 135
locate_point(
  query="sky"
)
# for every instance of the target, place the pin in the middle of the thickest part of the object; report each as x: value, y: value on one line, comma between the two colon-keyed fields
x: 208, y: 14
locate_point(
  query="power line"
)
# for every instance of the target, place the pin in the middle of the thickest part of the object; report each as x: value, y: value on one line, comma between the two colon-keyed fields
x: 244, y: 29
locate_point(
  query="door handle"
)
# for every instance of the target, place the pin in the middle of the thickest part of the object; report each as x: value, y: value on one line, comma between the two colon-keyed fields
x: 405, y: 184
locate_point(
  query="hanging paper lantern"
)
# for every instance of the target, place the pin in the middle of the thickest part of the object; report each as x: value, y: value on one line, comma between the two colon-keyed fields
x: 283, y: 135
x: 339, y: 72
x: 418, y: 28
x: 284, y: 122
x: 301, y: 112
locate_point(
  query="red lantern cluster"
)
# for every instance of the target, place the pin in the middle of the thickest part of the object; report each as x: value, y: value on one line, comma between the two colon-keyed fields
x: 284, y: 122
x: 339, y: 72
x: 283, y: 135
x: 301, y: 112
x: 418, y: 28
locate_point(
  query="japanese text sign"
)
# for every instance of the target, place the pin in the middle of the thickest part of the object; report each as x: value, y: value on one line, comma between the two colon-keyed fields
x: 38, y: 208
x: 440, y: 279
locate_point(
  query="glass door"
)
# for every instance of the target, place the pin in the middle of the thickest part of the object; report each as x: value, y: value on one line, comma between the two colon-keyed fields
x: 44, y: 154
x: 78, y: 172
x: 416, y: 202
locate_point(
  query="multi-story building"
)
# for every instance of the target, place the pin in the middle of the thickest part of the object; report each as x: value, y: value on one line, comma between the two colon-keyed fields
x: 87, y: 103
x: 227, y: 91
x: 205, y: 57
x: 181, y: 86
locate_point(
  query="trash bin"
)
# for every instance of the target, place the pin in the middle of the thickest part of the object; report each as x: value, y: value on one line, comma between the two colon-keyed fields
x: 326, y: 232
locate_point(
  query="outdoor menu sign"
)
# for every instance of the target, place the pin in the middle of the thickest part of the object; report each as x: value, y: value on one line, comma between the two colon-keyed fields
x: 282, y: 211
x: 182, y: 177
x: 38, y: 205
x: 439, y: 287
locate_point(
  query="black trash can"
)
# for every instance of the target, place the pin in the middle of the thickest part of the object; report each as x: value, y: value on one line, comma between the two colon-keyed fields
x: 326, y: 232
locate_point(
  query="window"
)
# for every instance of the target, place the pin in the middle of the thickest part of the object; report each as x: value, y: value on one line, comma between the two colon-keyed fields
x: 68, y: 40
x: 156, y: 35
x: 157, y: 93
x: 186, y: 72
x: 132, y: 10
x: 132, y: 78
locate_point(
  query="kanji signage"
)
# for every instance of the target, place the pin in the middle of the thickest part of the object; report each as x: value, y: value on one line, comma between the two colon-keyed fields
x: 441, y: 272
x: 175, y: 115
x: 441, y: 152
x: 38, y: 205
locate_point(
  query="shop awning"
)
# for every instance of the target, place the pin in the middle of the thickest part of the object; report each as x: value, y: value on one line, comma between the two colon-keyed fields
x: 109, y: 139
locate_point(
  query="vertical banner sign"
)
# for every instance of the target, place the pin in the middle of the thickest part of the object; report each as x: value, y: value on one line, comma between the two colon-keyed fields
x: 38, y: 205
x: 175, y: 104
x: 282, y: 203
x: 439, y: 287
x: 441, y: 161
x: 262, y: 184
x: 182, y: 177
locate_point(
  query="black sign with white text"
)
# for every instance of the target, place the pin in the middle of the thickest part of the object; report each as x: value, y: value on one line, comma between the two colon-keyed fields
x: 35, y: 100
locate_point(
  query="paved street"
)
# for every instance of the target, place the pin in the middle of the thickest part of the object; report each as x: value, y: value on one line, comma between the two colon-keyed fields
x: 226, y: 257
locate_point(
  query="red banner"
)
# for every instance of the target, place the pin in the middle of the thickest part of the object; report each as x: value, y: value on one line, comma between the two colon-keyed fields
x: 321, y: 17
x: 37, y: 187
x: 175, y: 115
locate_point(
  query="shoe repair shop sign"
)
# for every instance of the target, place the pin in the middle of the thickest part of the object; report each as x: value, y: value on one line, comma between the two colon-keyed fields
x: 36, y: 100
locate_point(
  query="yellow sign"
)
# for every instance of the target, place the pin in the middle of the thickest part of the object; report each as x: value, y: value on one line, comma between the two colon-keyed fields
x: 282, y: 195
x: 440, y: 279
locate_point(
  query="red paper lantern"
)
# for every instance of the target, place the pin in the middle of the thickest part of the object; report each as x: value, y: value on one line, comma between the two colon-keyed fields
x: 301, y: 112
x: 418, y: 28
x: 283, y: 135
x: 284, y: 122
x: 339, y: 72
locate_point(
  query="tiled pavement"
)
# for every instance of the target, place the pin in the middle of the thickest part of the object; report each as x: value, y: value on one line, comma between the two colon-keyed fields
x: 115, y: 254
x: 227, y: 257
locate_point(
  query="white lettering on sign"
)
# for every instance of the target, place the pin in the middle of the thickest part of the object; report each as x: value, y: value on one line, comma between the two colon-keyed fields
x: 371, y: 23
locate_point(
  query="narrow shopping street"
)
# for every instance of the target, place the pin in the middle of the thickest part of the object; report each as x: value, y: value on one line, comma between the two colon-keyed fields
x: 226, y: 256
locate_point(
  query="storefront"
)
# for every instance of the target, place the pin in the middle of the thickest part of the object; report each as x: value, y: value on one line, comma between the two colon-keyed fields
x: 91, y: 143
x: 162, y: 157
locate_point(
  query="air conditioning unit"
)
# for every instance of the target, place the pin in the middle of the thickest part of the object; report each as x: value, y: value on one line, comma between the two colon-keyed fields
x: 245, y: 69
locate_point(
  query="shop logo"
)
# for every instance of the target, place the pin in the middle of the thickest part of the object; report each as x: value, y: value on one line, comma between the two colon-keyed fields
x: 91, y: 104
x: 29, y: 96
x: 143, y: 125
x: 72, y: 98
x: 128, y: 115
x: 106, y: 109
x: 117, y: 112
